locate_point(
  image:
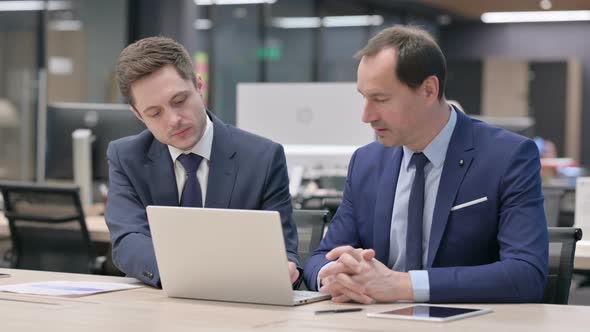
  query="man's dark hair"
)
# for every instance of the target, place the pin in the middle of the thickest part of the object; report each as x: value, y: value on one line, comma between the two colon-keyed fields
x: 418, y: 55
x: 146, y: 56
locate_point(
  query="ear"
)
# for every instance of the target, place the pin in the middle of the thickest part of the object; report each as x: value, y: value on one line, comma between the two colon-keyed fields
x: 136, y: 113
x: 200, y: 85
x: 430, y: 88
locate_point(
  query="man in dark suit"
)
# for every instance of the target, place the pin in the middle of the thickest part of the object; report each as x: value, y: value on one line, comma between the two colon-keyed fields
x: 443, y: 208
x: 186, y: 157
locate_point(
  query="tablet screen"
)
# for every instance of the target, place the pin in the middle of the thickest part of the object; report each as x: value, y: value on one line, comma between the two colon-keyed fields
x: 425, y: 311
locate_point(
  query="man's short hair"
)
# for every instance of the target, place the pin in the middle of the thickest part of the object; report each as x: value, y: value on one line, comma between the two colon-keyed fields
x: 146, y: 56
x: 418, y: 55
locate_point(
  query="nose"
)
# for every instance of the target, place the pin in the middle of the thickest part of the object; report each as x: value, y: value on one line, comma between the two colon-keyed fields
x: 174, y: 117
x: 369, y: 114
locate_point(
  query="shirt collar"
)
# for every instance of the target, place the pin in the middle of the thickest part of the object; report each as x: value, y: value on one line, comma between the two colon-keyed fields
x: 436, y: 151
x: 203, y: 146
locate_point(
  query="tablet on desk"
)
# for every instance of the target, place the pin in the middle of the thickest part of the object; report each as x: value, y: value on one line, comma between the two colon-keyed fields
x: 430, y: 313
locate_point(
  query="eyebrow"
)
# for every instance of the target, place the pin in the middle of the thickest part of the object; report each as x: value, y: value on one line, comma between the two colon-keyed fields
x: 374, y: 94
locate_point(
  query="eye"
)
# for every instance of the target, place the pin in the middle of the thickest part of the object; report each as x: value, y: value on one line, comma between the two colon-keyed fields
x: 154, y: 114
x: 179, y: 100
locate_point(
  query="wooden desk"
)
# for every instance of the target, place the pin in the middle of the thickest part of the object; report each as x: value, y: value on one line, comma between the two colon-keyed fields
x: 96, y: 225
x: 148, y: 309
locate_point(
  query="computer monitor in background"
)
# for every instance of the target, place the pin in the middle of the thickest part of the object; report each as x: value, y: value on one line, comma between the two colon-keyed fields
x: 319, y: 124
x: 107, y: 122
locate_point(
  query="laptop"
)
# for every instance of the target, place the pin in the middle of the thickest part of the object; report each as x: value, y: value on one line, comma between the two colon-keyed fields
x: 223, y: 255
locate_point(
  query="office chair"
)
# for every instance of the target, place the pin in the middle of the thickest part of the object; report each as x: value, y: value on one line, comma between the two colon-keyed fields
x: 310, y: 229
x: 48, y: 228
x: 331, y: 204
x: 562, y: 248
x: 552, y: 204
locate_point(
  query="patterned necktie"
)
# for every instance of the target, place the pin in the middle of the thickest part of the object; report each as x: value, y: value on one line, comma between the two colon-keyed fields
x: 191, y: 193
x: 415, y: 215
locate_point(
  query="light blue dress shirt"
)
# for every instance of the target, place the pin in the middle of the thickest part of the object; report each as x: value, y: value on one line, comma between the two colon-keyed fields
x: 436, y: 153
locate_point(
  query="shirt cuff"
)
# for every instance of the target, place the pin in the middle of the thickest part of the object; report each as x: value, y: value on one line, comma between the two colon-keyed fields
x: 318, y: 278
x: 420, y: 285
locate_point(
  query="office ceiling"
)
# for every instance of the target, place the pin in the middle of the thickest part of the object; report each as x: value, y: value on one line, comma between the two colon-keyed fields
x: 472, y: 9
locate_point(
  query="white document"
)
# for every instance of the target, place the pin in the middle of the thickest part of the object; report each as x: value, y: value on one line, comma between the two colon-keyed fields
x: 66, y: 288
x: 582, y: 212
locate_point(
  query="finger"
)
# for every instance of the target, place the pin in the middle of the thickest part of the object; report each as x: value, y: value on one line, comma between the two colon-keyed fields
x: 356, y: 297
x: 368, y: 254
x: 331, y: 287
x: 338, y: 251
x: 340, y: 298
x: 350, y: 263
x: 345, y: 281
x: 334, y: 269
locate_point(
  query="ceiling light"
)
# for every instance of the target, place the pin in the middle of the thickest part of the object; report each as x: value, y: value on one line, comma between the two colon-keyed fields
x: 328, y: 21
x: 545, y: 4
x: 537, y: 16
x: 17, y: 6
x: 232, y: 2
x: 352, y: 21
x: 202, y: 24
x: 296, y: 22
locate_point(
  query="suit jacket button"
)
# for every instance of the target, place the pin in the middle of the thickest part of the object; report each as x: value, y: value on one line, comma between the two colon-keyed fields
x: 148, y: 274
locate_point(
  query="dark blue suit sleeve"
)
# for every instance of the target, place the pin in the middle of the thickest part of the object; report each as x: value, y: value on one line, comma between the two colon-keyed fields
x: 276, y: 197
x: 342, y: 232
x: 133, y: 251
x: 520, y: 274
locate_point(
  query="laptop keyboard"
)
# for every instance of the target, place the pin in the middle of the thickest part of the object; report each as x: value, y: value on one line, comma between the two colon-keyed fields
x: 302, y: 295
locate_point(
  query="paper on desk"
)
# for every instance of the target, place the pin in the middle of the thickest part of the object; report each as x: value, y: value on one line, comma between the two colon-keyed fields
x: 66, y: 288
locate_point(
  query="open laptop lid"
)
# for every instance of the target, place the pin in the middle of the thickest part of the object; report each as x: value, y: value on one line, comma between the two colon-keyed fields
x: 221, y: 254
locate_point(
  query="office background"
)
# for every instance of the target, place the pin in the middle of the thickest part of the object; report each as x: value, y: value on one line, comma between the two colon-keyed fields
x: 56, y: 52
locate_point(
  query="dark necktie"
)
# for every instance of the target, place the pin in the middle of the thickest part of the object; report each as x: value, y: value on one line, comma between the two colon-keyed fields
x: 415, y: 215
x: 191, y: 193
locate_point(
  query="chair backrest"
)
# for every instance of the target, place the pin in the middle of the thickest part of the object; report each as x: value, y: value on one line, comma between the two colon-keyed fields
x: 47, y: 227
x: 562, y: 249
x: 310, y: 229
x: 552, y: 204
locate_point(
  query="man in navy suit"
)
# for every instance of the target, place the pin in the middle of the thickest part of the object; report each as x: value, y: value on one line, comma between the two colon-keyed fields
x: 186, y: 157
x: 443, y: 208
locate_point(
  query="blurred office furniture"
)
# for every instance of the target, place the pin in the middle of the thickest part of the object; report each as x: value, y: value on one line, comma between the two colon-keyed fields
x: 107, y: 122
x: 522, y: 125
x: 547, y: 91
x: 48, y: 228
x: 562, y: 248
x: 310, y: 229
x: 331, y: 204
x: 552, y: 204
x: 9, y: 124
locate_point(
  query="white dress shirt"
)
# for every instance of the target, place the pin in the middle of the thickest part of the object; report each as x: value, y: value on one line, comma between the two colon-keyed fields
x: 203, y: 149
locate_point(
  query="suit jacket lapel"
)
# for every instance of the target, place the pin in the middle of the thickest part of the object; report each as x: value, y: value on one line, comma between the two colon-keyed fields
x: 162, y: 181
x: 460, y: 148
x: 384, y: 206
x: 223, y: 166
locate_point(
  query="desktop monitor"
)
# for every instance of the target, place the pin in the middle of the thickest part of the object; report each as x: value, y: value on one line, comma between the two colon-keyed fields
x: 319, y: 124
x: 107, y: 122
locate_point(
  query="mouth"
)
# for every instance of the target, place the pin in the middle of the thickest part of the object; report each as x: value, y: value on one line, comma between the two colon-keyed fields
x: 180, y: 132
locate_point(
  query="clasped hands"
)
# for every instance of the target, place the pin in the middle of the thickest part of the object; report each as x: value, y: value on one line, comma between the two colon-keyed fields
x: 355, y: 275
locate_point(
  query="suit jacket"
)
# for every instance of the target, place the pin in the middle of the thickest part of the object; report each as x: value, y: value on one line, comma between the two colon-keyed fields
x: 245, y: 172
x: 494, y: 251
